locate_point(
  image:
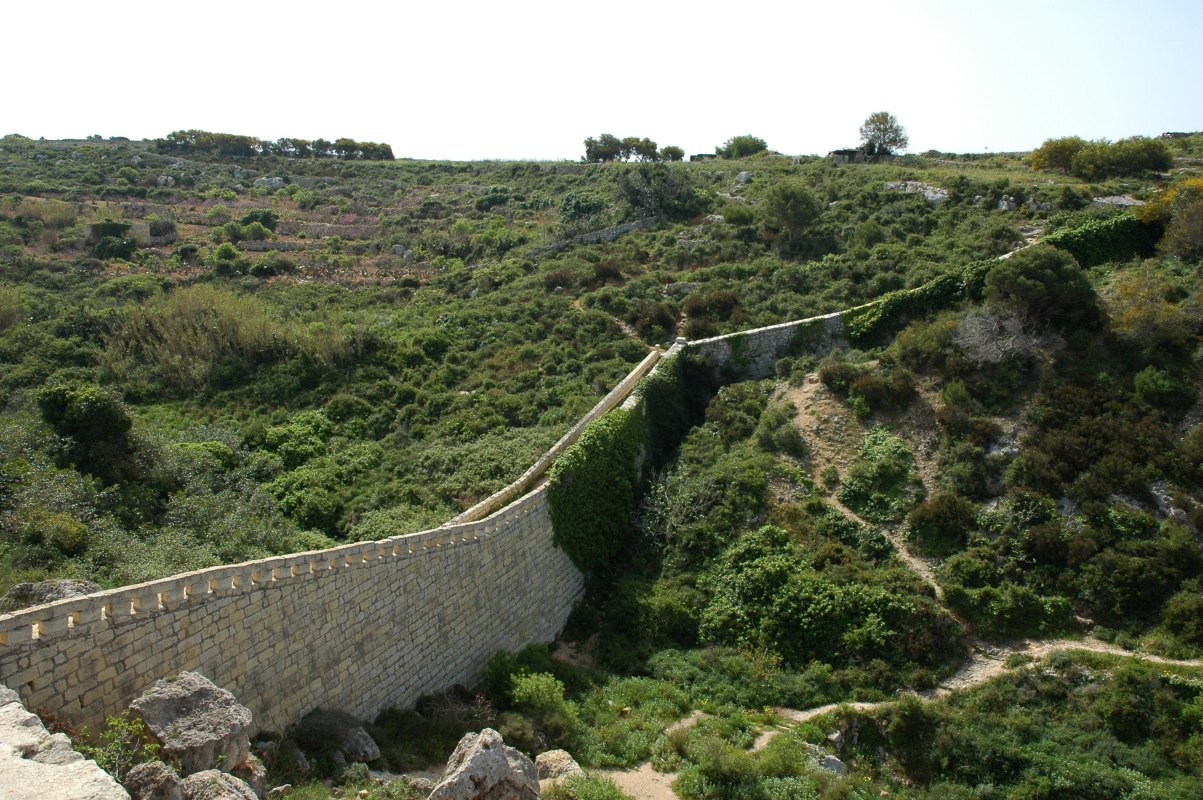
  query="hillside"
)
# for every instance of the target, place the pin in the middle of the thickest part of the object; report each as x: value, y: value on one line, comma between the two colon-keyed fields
x: 207, y: 359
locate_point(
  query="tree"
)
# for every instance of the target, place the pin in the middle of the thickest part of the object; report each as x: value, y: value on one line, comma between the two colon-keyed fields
x: 1057, y: 154
x: 94, y: 424
x: 789, y: 207
x: 882, y: 135
x: 606, y: 147
x: 670, y: 152
x: 1044, y: 286
x: 742, y: 147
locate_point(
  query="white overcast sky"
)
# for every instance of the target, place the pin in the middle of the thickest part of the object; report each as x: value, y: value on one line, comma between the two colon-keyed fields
x: 526, y: 79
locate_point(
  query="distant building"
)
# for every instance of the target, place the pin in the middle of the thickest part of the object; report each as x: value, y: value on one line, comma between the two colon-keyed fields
x: 856, y: 156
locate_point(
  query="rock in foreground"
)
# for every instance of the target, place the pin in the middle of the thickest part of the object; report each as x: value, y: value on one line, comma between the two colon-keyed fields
x: 483, y: 767
x: 38, y: 765
x: 198, y: 724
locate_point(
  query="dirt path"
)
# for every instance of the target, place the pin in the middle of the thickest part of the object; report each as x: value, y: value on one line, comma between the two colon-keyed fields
x: 833, y: 436
x: 621, y: 323
x: 987, y: 662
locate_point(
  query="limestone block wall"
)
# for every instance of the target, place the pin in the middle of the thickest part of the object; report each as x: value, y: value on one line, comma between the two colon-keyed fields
x: 360, y: 627
x: 751, y: 354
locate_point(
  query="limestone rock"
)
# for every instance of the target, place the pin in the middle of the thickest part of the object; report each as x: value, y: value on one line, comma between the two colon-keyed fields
x: 199, y: 725
x: 24, y: 595
x: 253, y: 772
x: 35, y: 765
x: 153, y: 780
x: 330, y: 730
x: 833, y: 764
x: 214, y: 785
x: 484, y: 768
x: 743, y: 177
x: 420, y: 784
x: 556, y: 764
x: 268, y: 183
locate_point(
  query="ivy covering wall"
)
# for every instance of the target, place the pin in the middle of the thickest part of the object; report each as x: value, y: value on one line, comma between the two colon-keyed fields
x: 1101, y: 240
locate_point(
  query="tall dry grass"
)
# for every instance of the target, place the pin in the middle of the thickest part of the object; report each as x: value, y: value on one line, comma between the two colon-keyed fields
x: 184, y: 335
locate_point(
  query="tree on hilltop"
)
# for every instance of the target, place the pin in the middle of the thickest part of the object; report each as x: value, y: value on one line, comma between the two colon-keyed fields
x: 741, y: 147
x: 882, y: 135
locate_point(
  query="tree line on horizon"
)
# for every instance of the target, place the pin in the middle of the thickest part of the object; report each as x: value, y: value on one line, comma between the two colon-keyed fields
x: 231, y: 144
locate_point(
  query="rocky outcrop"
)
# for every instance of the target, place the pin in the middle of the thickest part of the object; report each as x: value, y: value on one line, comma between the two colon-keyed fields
x: 153, y: 780
x: 932, y: 194
x: 199, y: 725
x: 253, y: 773
x: 556, y: 764
x: 332, y: 731
x: 483, y: 767
x: 24, y: 595
x: 38, y: 765
x: 214, y: 785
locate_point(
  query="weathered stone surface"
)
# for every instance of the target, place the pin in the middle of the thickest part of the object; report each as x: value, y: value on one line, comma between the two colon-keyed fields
x: 253, y: 772
x: 199, y: 725
x: 153, y: 780
x: 214, y: 785
x: 932, y: 194
x: 24, y: 595
x: 330, y: 730
x: 833, y: 764
x: 268, y: 183
x: 36, y: 765
x: 483, y: 767
x: 556, y: 764
x: 743, y: 177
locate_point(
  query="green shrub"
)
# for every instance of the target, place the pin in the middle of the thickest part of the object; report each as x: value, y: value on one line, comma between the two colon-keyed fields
x: 882, y: 484
x: 121, y: 745
x: 940, y: 525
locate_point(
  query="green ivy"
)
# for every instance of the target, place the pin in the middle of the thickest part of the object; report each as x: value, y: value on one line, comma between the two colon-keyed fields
x: 1101, y: 240
x: 891, y: 311
x: 593, y: 490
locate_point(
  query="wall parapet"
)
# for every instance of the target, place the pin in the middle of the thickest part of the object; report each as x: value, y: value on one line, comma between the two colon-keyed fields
x: 613, y: 398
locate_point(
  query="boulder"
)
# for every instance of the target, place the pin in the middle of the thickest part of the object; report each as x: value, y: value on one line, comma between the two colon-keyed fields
x: 199, y: 725
x: 833, y: 764
x: 153, y: 780
x: 332, y: 731
x: 484, y: 768
x: 211, y: 784
x: 556, y: 764
x: 38, y: 765
x: 743, y: 177
x: 268, y: 183
x: 24, y: 595
x: 253, y: 772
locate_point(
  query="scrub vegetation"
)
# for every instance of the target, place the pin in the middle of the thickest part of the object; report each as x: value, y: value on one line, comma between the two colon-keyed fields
x: 209, y: 356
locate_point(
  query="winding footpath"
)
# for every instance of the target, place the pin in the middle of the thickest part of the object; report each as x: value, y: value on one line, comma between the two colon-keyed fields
x: 988, y: 661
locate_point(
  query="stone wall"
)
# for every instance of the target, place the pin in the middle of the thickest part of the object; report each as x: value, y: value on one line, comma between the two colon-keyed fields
x: 617, y: 395
x: 751, y: 354
x: 360, y: 627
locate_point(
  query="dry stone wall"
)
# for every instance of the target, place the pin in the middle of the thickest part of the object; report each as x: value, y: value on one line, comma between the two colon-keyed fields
x: 361, y: 627
x: 751, y: 354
